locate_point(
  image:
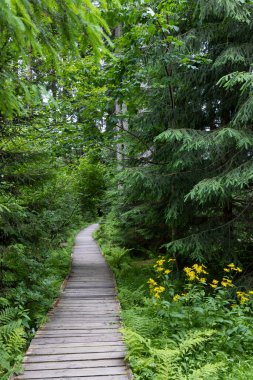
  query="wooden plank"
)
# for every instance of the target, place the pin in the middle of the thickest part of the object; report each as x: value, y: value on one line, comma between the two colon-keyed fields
x: 73, y: 333
x: 67, y: 364
x: 88, y: 323
x: 81, y: 314
x: 70, y: 349
x: 79, y: 339
x: 100, y: 328
x: 45, y: 374
x: 87, y: 317
x: 109, y: 377
x: 74, y: 357
x: 112, y: 377
x: 81, y: 344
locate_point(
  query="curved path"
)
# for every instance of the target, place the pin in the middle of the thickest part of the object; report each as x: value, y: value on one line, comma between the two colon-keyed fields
x: 81, y: 339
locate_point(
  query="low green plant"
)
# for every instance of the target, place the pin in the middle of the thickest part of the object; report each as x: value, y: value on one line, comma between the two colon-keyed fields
x: 184, y: 325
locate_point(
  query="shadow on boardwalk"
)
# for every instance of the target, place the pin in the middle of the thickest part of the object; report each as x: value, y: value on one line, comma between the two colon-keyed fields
x: 81, y: 339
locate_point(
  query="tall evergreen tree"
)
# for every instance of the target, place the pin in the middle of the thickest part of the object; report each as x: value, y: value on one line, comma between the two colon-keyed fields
x: 187, y: 180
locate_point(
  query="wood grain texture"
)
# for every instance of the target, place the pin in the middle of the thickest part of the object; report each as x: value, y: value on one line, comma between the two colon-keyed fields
x: 81, y: 339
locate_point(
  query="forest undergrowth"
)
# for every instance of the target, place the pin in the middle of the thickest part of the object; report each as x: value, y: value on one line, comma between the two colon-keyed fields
x: 39, y: 227
x: 182, y: 324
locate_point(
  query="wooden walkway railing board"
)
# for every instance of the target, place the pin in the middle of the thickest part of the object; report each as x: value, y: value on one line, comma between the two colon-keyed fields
x: 81, y: 339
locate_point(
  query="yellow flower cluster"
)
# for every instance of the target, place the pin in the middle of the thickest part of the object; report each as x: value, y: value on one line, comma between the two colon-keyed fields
x: 193, y: 272
x: 160, y: 265
x: 152, y: 283
x: 155, y: 289
x: 226, y: 282
x: 214, y: 284
x: 231, y: 267
x: 178, y: 296
x: 244, y: 296
x: 199, y: 269
x: 197, y: 273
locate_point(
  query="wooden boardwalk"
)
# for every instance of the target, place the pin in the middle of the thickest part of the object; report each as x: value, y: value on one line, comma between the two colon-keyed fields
x: 81, y: 339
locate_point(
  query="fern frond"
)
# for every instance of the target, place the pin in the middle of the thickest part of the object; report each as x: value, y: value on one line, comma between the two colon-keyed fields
x: 8, y: 315
x: 208, y: 371
x: 16, y: 341
x: 137, y: 345
x: 166, y: 363
x: 194, y: 339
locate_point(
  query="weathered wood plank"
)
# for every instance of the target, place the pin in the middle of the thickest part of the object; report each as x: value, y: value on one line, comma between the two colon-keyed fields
x: 71, y: 349
x: 63, y: 325
x: 45, y: 374
x: 77, y: 332
x: 82, y: 339
x: 117, y: 377
x: 72, y: 357
x: 76, y: 364
x: 109, y: 377
x: 81, y: 344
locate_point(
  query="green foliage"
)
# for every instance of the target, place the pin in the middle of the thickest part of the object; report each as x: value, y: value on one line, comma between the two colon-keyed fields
x: 13, y: 321
x: 46, y: 48
x: 43, y: 31
x: 91, y: 185
x: 183, y: 81
x: 198, y: 335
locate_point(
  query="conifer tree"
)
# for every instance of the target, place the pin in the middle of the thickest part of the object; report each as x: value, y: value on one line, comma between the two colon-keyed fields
x: 185, y: 74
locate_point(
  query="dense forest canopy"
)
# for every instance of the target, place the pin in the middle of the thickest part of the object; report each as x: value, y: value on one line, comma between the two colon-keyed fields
x: 139, y: 112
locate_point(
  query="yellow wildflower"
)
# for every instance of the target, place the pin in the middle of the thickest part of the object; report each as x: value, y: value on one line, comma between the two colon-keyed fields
x: 232, y: 267
x: 152, y: 282
x: 176, y: 297
x: 190, y: 274
x: 202, y: 279
x: 157, y: 290
x: 199, y: 268
x: 250, y: 292
x: 242, y: 297
x: 167, y: 271
x: 226, y: 282
x: 159, y: 269
x: 170, y: 260
x: 214, y: 284
x: 160, y: 262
